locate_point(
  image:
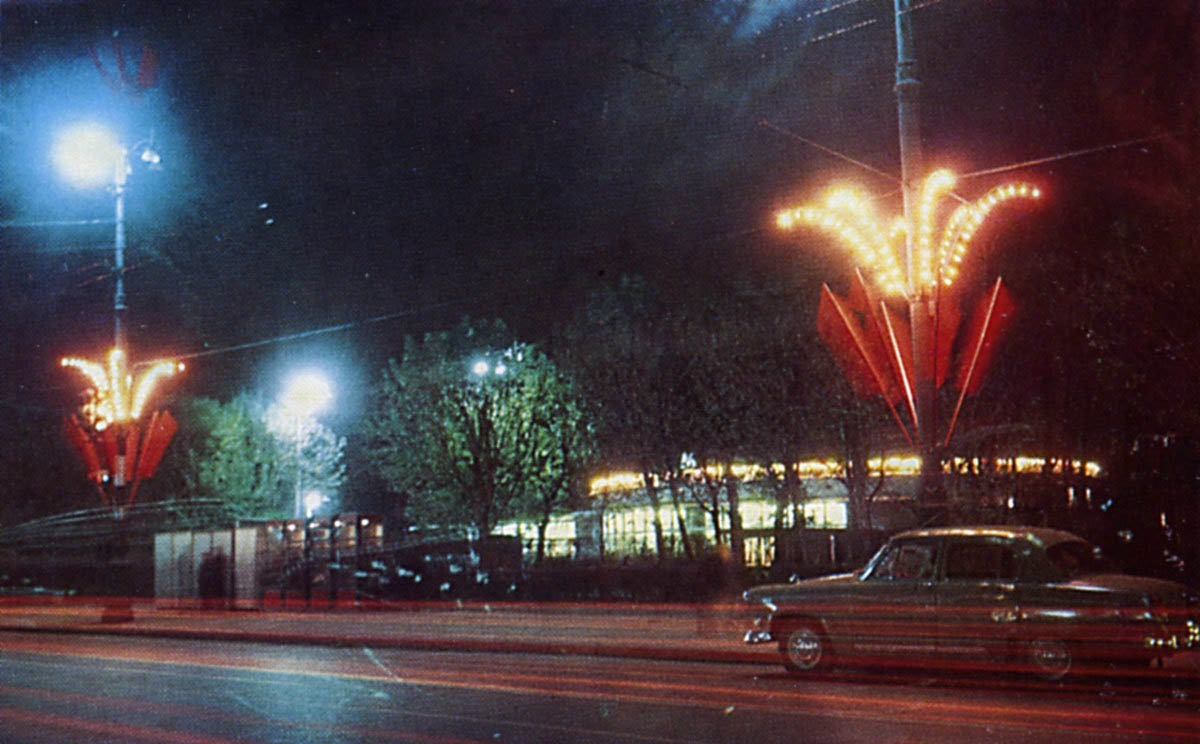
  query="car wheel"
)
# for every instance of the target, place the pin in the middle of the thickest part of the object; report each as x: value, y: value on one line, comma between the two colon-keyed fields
x: 805, y: 649
x: 1051, y: 658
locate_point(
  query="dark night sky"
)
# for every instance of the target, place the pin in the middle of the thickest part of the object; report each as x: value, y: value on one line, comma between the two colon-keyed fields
x: 419, y: 161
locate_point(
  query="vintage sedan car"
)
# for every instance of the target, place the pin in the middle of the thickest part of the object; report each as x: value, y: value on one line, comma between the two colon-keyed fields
x: 1014, y: 597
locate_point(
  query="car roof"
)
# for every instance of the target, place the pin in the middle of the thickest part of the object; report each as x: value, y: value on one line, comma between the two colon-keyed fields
x: 1044, y: 535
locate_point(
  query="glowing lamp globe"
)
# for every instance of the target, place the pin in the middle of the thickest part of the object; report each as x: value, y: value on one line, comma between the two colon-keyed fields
x: 307, y: 393
x: 313, y: 500
x: 87, y: 155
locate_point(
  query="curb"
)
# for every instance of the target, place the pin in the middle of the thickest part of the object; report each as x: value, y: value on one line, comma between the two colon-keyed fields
x: 663, y: 652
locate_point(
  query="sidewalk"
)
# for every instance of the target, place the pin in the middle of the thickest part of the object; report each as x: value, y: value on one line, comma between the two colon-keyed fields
x: 669, y: 632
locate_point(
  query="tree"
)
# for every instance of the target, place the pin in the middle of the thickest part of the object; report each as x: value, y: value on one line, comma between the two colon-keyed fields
x: 229, y: 454
x: 732, y: 374
x: 228, y: 451
x: 633, y: 369
x: 764, y: 391
x: 39, y: 474
x: 401, y: 434
x: 311, y: 455
x: 474, y: 428
x: 556, y: 439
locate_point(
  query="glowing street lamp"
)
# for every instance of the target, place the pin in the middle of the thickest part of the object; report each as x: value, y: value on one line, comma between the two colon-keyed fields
x: 313, y: 500
x: 482, y: 368
x: 89, y: 155
x: 306, y: 394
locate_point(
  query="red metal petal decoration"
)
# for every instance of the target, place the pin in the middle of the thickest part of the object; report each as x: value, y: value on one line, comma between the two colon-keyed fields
x: 159, y: 432
x: 859, y: 351
x: 991, y: 319
x: 837, y: 329
x: 993, y: 315
x: 77, y: 434
x: 948, y: 311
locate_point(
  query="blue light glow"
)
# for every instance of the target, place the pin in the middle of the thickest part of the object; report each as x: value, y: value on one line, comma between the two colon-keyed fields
x: 87, y: 155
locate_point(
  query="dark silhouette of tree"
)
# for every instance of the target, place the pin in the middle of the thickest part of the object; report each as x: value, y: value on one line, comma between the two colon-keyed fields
x: 633, y: 370
x: 39, y: 474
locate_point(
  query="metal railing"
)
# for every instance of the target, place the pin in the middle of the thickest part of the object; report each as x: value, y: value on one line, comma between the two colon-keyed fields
x: 91, y: 526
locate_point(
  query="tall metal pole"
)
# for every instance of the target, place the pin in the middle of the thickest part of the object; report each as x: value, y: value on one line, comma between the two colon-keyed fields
x: 118, y: 482
x: 122, y: 173
x: 298, y: 503
x: 921, y: 305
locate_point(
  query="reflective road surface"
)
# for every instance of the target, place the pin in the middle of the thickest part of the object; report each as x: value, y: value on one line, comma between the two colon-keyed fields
x: 84, y: 688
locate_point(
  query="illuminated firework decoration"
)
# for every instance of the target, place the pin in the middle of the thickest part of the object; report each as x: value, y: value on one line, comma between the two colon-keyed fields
x: 119, y: 445
x: 848, y: 215
x: 872, y: 340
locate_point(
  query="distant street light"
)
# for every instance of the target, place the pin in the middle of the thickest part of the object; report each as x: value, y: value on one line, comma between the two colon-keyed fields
x: 483, y: 368
x: 313, y: 500
x: 305, y: 394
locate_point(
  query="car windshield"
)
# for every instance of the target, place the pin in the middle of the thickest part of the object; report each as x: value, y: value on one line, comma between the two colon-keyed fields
x: 1076, y: 558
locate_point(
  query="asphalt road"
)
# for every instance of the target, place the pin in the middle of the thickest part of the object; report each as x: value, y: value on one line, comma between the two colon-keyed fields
x: 61, y: 686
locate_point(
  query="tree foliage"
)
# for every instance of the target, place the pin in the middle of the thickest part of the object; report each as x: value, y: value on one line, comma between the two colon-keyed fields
x: 556, y: 439
x: 229, y: 451
x: 633, y: 370
x: 470, y: 428
x: 733, y: 374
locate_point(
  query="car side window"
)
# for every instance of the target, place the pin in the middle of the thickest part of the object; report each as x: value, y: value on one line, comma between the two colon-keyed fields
x: 906, y: 561
x: 980, y: 560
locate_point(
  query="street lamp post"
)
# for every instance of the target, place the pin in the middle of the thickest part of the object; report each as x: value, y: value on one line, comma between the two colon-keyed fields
x: 305, y: 394
x: 88, y: 155
x: 922, y: 307
x: 108, y: 432
x: 903, y: 359
x: 119, y: 306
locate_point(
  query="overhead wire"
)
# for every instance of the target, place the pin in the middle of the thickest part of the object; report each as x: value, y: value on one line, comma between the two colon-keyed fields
x: 1067, y: 155
x: 1020, y: 165
x: 830, y: 151
x: 299, y: 335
